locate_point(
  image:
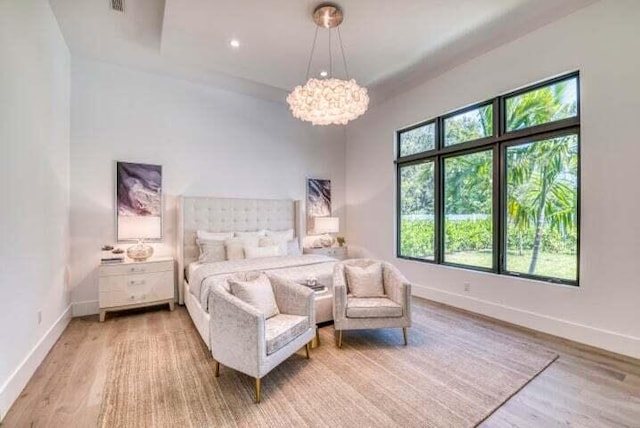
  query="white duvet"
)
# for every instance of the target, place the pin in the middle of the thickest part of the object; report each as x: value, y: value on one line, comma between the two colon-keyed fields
x: 295, y: 268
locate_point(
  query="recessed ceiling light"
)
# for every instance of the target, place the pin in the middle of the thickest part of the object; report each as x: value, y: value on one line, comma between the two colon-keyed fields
x: 324, y: 73
x: 234, y: 43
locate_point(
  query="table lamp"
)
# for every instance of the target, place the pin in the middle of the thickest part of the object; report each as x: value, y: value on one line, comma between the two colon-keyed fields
x: 325, y: 226
x: 139, y: 228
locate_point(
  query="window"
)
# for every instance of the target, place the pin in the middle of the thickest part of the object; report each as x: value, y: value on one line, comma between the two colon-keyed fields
x: 496, y: 186
x: 416, y: 140
x: 417, y: 211
x: 549, y: 103
x: 468, y: 199
x: 469, y: 125
x: 542, y: 208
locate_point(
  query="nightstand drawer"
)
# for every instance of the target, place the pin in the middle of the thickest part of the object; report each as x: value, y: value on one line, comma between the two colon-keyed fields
x: 339, y: 253
x: 133, y: 268
x: 128, y: 289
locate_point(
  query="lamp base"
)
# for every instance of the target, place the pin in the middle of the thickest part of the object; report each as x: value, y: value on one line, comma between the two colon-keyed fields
x: 327, y: 240
x: 140, y: 252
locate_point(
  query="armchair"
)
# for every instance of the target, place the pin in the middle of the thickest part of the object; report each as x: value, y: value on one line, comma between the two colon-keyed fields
x: 358, y: 313
x: 241, y: 337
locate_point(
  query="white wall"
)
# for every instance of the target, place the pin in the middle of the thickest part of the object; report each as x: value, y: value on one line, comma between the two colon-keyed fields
x: 602, y: 42
x: 210, y: 143
x: 34, y: 171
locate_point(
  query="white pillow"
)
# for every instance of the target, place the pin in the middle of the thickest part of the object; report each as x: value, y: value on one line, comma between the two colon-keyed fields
x: 293, y: 248
x: 258, y: 293
x: 255, y: 234
x: 258, y: 252
x: 286, y: 235
x: 280, y: 238
x: 211, y: 250
x: 365, y: 281
x: 214, y: 236
x: 234, y: 248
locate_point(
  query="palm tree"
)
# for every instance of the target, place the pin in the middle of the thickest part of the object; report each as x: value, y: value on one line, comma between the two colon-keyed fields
x: 541, y: 180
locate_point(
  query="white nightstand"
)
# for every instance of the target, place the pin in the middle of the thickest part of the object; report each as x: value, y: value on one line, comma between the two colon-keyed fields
x: 136, y: 284
x: 339, y: 253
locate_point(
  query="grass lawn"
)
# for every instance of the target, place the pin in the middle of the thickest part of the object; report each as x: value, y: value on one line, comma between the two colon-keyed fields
x: 554, y: 265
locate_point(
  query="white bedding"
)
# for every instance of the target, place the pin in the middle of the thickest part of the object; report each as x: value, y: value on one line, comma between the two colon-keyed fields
x: 297, y: 268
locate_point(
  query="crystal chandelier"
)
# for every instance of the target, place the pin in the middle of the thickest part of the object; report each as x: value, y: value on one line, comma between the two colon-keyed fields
x: 328, y: 100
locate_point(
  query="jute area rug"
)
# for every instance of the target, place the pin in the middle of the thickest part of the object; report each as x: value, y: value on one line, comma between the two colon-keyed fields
x: 455, y: 372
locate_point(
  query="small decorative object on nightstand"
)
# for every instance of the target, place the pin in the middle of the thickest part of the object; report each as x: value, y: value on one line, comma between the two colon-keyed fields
x: 136, y: 284
x: 339, y: 253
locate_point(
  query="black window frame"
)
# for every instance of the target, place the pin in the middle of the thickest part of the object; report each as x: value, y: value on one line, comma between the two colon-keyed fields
x: 498, y: 144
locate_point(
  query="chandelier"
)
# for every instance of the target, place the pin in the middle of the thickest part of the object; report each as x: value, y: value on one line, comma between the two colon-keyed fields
x: 328, y: 100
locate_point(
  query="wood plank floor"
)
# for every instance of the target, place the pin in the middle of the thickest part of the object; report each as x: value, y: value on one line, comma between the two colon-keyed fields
x: 585, y: 387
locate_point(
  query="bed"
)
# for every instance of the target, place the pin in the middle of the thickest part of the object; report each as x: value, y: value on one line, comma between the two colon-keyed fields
x: 241, y: 215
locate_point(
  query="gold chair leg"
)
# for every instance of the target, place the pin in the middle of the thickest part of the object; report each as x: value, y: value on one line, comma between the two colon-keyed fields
x: 307, y: 347
x: 317, y: 336
x: 258, y: 387
x: 340, y: 339
x: 404, y: 333
x: 217, y: 369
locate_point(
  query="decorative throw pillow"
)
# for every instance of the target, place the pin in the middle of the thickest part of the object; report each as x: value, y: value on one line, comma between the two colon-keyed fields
x: 213, y: 236
x: 280, y: 238
x: 234, y: 248
x: 293, y: 248
x: 258, y: 293
x: 258, y: 252
x: 365, y: 281
x: 211, y: 250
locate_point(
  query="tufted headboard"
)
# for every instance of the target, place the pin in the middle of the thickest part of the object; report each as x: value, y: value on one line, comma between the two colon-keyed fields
x: 228, y: 215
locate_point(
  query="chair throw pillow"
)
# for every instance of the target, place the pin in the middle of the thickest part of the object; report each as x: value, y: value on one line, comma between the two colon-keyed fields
x: 365, y: 281
x: 257, y: 293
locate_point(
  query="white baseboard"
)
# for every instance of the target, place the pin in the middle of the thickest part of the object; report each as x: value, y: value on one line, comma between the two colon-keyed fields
x: 12, y: 388
x: 599, y: 338
x: 88, y: 307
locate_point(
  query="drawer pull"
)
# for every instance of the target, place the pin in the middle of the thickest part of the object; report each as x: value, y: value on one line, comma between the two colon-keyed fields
x: 139, y: 282
x: 135, y: 269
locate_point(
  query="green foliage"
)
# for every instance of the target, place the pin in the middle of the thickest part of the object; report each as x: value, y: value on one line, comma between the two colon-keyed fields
x: 472, y: 125
x: 417, y: 238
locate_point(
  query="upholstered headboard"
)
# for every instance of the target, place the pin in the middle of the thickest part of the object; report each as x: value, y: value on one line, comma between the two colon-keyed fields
x: 228, y: 215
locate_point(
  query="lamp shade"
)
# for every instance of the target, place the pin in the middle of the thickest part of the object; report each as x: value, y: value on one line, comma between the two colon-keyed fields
x: 326, y: 225
x: 139, y: 227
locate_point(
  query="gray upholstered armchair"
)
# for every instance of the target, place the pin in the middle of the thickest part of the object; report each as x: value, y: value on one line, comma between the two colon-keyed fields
x: 393, y: 310
x: 241, y: 337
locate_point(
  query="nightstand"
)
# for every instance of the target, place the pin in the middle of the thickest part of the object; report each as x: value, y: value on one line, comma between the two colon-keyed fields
x: 136, y: 284
x: 339, y: 253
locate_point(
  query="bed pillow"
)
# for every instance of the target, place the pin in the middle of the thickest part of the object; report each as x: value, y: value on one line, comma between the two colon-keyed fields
x: 365, y: 281
x: 255, y: 234
x: 286, y: 235
x: 293, y: 248
x: 216, y: 236
x: 258, y: 252
x: 234, y: 248
x: 281, y: 238
x: 211, y: 250
x: 257, y: 293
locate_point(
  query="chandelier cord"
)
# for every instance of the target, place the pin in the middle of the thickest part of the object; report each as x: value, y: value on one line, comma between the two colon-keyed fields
x: 344, y: 58
x: 330, y: 56
x: 313, y: 48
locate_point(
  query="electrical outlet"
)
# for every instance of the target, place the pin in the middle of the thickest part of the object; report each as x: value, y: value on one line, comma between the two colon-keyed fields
x: 467, y: 287
x: 39, y: 317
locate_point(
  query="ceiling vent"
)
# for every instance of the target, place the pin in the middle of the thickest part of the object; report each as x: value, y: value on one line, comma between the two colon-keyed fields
x: 117, y: 5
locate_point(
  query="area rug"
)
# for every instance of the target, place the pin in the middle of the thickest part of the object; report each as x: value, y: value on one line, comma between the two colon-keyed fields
x: 452, y: 374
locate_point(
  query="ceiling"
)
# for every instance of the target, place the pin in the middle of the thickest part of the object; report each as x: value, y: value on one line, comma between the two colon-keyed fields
x: 388, y: 44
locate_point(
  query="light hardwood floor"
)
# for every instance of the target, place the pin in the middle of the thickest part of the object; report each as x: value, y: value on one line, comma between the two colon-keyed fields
x: 585, y: 387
